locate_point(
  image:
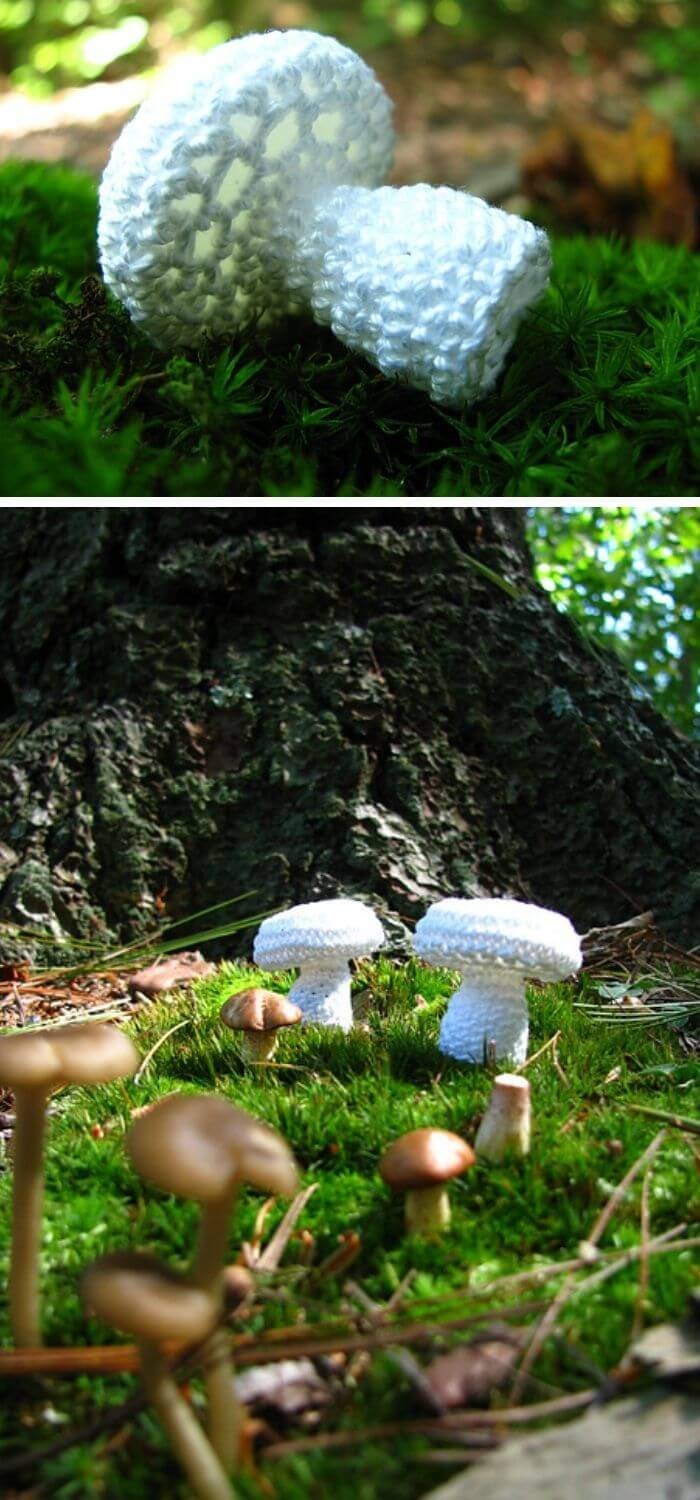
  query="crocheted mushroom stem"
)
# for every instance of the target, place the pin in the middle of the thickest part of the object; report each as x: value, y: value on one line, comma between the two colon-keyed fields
x: 489, y: 1006
x: 428, y: 283
x: 322, y: 993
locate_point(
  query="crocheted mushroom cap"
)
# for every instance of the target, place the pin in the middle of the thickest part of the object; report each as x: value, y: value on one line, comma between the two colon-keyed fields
x: 501, y: 933
x: 201, y: 177
x: 322, y: 930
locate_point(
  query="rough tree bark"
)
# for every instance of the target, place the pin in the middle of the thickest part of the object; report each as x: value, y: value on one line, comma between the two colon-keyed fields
x: 198, y: 702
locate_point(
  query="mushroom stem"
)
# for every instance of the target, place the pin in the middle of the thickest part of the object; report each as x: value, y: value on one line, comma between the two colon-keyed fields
x: 258, y: 1046
x: 427, y: 1210
x: 322, y: 993
x: 365, y: 258
x: 27, y: 1200
x: 490, y: 1004
x: 225, y: 1412
x: 190, y: 1446
x: 506, y: 1125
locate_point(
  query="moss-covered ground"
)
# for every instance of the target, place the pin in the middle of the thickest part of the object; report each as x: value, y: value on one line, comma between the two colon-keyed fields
x: 599, y: 396
x: 338, y: 1101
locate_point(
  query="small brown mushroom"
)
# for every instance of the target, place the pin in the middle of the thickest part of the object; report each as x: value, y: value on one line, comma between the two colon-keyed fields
x: 505, y: 1128
x: 33, y: 1063
x: 420, y: 1164
x: 202, y: 1147
x: 139, y: 1296
x: 258, y: 1014
x: 169, y: 973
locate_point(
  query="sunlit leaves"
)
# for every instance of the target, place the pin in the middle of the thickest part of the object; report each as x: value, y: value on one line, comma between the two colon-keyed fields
x: 630, y: 574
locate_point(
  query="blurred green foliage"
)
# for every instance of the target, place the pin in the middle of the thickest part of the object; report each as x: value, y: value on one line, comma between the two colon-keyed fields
x: 49, y: 44
x: 630, y: 575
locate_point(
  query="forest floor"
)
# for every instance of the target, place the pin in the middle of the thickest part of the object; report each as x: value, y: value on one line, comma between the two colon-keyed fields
x: 507, y: 120
x: 345, y: 1290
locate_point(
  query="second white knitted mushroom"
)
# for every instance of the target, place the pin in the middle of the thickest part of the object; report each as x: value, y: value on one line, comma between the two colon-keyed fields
x: 319, y: 938
x: 496, y: 945
x: 248, y: 186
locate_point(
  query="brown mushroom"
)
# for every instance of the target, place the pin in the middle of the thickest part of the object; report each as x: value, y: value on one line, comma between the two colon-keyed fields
x: 202, y: 1147
x: 505, y: 1128
x: 420, y: 1164
x: 258, y: 1014
x: 33, y: 1063
x: 136, y: 1294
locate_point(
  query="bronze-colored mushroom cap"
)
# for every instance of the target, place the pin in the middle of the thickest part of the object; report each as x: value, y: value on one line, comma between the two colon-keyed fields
x: 136, y: 1294
x: 48, y: 1059
x: 259, y: 1010
x: 200, y: 1146
x: 425, y: 1159
x: 421, y: 1164
x: 33, y: 1062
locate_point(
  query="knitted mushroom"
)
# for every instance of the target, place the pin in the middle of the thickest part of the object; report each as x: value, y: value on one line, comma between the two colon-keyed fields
x: 248, y: 186
x: 496, y: 945
x: 33, y: 1063
x: 319, y: 938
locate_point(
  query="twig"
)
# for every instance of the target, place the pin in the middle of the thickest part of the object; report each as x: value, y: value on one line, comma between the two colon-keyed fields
x: 277, y: 1244
x: 638, y: 1318
x: 661, y: 1246
x: 507, y: 1416
x: 547, y: 1323
x: 557, y: 1065
x: 138, y: 1075
x: 277, y: 1344
x: 528, y: 1061
x: 679, y: 1122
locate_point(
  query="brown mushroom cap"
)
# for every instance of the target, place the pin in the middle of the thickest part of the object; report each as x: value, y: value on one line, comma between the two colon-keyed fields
x: 425, y: 1158
x: 259, y: 1010
x: 136, y: 1294
x: 199, y: 1146
x: 86, y: 1053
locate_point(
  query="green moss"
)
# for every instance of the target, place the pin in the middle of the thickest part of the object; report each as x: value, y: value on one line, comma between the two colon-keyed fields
x: 339, y: 1100
x: 596, y: 398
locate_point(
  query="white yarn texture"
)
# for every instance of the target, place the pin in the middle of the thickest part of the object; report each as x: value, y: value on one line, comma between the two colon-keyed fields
x: 495, y: 944
x: 319, y: 938
x: 248, y: 187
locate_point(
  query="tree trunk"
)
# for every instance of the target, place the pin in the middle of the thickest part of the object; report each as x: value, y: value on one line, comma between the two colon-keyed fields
x: 380, y: 702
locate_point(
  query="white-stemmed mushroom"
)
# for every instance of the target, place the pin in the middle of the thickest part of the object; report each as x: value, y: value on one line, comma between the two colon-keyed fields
x: 496, y: 945
x: 248, y: 186
x: 505, y: 1128
x: 319, y: 938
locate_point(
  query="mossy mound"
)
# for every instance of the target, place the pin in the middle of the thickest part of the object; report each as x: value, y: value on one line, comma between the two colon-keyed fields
x: 596, y: 398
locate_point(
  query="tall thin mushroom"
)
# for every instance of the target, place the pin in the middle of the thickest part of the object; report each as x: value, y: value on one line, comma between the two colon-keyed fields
x: 136, y: 1294
x: 34, y: 1063
x: 202, y: 1147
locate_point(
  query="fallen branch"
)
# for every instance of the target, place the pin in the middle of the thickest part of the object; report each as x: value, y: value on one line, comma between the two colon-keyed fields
x: 679, y: 1122
x: 465, y: 1421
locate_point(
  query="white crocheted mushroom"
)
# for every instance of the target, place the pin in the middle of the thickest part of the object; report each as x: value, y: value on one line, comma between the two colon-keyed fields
x: 247, y: 187
x: 319, y: 939
x: 496, y: 945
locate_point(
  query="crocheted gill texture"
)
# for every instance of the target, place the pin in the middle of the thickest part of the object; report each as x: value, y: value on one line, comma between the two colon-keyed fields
x: 242, y: 192
x: 498, y: 933
x: 323, y: 933
x: 213, y: 159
